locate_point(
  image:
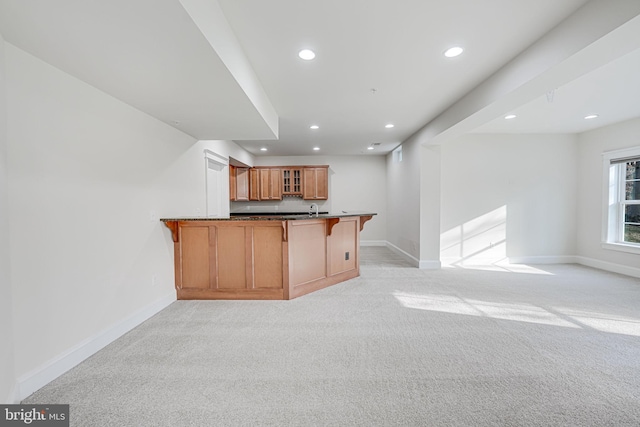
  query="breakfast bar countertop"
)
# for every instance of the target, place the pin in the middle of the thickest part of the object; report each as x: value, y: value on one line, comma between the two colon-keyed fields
x: 272, y: 216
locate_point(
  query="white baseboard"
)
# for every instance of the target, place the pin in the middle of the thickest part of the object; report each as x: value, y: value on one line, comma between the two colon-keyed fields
x: 373, y: 243
x: 575, y: 259
x: 413, y: 260
x: 420, y: 263
x: 426, y: 264
x: 609, y: 266
x: 39, y: 377
x: 554, y: 259
x: 560, y: 259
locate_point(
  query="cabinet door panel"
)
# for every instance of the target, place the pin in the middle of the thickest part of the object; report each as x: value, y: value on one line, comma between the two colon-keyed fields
x: 322, y: 183
x: 264, y: 184
x: 291, y: 181
x: 309, y: 184
x: 232, y: 183
x: 316, y: 183
x: 242, y: 184
x: 254, y: 184
x: 276, y: 184
x: 270, y: 184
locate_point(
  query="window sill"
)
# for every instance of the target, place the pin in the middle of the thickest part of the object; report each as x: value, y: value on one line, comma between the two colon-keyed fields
x: 622, y: 247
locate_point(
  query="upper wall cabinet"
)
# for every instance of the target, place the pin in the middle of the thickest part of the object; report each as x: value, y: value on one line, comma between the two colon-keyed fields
x: 238, y: 184
x: 242, y: 184
x: 316, y: 183
x: 274, y: 182
x: 270, y: 184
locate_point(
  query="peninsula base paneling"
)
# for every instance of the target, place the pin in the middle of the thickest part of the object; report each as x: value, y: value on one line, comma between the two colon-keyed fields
x: 263, y: 259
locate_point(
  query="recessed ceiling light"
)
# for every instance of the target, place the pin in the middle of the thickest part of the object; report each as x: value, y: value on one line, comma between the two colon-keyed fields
x: 306, y: 54
x: 263, y: 149
x: 389, y: 126
x: 369, y: 148
x: 510, y: 116
x: 590, y: 116
x: 453, y: 51
x: 314, y: 127
x: 316, y: 148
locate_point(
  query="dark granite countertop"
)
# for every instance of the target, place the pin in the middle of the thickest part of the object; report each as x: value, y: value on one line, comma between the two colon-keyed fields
x: 272, y: 213
x: 273, y: 217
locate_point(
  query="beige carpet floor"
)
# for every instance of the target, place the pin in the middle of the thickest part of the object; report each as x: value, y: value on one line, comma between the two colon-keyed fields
x: 555, y: 345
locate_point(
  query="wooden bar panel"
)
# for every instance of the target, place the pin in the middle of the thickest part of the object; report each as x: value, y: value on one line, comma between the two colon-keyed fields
x: 238, y: 294
x: 194, y: 253
x: 342, y: 243
x: 267, y: 257
x: 231, y: 258
x: 263, y: 259
x: 307, y: 251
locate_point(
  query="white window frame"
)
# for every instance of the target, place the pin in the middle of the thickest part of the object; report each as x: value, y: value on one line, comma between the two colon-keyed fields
x: 613, y: 200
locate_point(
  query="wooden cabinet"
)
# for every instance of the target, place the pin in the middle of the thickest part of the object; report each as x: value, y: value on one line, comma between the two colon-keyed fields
x: 229, y: 259
x: 242, y: 184
x: 316, y: 183
x: 254, y: 184
x: 238, y: 184
x: 232, y: 183
x: 270, y: 184
x: 292, y: 181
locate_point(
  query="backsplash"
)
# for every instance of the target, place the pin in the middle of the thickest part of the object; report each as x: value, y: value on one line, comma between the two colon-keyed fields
x: 287, y: 204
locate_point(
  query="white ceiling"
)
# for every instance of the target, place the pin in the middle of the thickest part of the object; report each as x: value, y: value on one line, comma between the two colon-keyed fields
x: 393, y: 46
x: 611, y: 91
x: 228, y: 69
x: 147, y: 53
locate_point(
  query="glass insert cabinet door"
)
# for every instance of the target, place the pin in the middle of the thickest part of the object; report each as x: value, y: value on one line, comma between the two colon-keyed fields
x: 292, y: 181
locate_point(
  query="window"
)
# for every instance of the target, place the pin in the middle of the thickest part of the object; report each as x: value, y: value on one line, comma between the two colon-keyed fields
x: 622, y: 226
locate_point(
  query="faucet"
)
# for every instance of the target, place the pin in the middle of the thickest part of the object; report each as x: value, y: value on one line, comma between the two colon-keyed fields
x: 312, y: 207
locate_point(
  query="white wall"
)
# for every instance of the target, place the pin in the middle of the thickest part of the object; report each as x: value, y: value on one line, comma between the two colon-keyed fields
x: 7, y: 349
x: 356, y: 183
x: 229, y: 149
x: 89, y: 176
x: 403, y: 199
x: 509, y: 196
x: 591, y: 146
x: 430, y: 209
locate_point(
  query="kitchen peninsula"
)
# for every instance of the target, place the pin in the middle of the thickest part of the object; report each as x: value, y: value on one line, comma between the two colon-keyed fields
x: 264, y: 257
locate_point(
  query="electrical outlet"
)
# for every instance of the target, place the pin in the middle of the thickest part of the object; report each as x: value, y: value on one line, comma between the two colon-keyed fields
x: 153, y: 216
x: 346, y: 256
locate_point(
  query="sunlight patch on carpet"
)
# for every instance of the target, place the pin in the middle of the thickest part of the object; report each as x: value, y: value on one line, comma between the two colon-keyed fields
x: 553, y: 316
